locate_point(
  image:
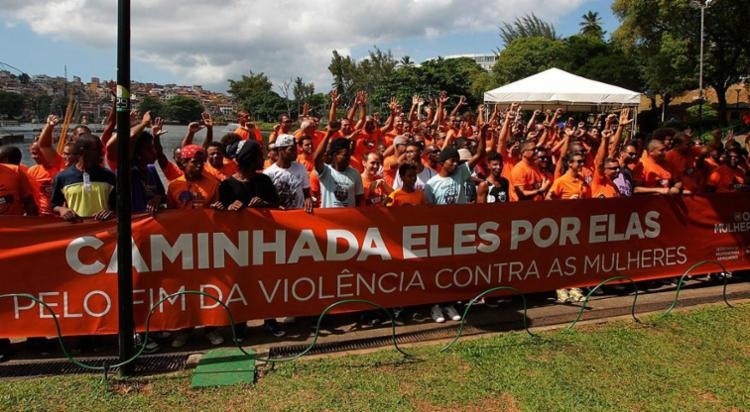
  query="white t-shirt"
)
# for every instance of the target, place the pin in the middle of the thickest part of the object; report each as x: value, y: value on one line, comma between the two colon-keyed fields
x: 289, y: 184
x: 422, y: 178
x: 338, y: 189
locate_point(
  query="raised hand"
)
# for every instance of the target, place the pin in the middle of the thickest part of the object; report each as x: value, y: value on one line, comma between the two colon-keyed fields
x: 146, y: 119
x: 157, y: 127
x: 335, y: 98
x: 462, y: 101
x: 194, y: 127
x: 52, y: 120
x: 443, y: 99
x: 207, y: 120
x: 624, y: 115
x: 414, y: 100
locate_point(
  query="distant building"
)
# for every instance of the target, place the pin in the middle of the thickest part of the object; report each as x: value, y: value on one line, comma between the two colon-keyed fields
x: 486, y: 61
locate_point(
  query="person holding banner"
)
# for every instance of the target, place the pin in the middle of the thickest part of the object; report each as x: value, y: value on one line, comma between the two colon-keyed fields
x: 448, y: 187
x: 250, y: 189
x: 193, y: 190
x: 340, y: 184
x: 85, y: 189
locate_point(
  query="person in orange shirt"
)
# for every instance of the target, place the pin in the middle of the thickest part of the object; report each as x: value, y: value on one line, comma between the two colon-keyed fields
x: 728, y: 177
x: 193, y: 190
x: 218, y: 165
x: 16, y: 192
x: 376, y: 189
x: 528, y: 181
x: 48, y: 164
x: 572, y: 184
x: 305, y: 154
x: 408, y: 194
x: 652, y: 174
x: 247, y: 128
x: 272, y: 155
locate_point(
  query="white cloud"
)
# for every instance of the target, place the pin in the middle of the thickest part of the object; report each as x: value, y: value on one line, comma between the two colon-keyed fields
x: 208, y: 41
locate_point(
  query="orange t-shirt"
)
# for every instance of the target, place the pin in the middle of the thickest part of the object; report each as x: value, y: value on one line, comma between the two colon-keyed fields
x: 528, y: 177
x: 508, y: 163
x: 725, y: 179
x: 15, y: 186
x: 372, y: 197
x: 570, y: 187
x: 602, y: 186
x: 42, y: 179
x: 182, y: 194
x: 677, y: 163
x: 401, y: 198
x: 651, y: 174
x: 307, y: 161
x: 245, y: 134
x: 171, y: 171
x: 390, y: 168
x: 227, y: 169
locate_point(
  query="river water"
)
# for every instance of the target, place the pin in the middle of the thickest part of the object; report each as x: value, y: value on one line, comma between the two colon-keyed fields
x: 169, y: 141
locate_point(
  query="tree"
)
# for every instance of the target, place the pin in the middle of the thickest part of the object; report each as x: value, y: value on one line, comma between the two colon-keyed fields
x: 152, y: 104
x: 526, y: 26
x: 663, y: 37
x: 591, y: 25
x: 255, y: 95
x: 183, y: 109
x: 11, y: 104
x: 350, y: 76
x: 24, y: 78
x: 529, y: 55
x: 302, y: 92
x: 406, y: 61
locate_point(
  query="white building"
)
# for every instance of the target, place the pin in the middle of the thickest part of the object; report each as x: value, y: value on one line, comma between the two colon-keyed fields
x: 486, y: 61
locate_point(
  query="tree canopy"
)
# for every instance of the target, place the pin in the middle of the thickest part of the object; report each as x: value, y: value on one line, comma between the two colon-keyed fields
x: 183, y: 109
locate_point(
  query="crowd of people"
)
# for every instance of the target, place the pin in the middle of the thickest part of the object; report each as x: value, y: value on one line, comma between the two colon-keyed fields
x: 428, y: 155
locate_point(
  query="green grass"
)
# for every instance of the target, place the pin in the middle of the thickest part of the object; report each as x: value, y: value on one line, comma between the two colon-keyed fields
x: 691, y: 361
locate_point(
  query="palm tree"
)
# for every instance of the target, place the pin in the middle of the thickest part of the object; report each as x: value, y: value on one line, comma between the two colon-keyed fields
x: 591, y: 25
x: 526, y: 26
x: 406, y: 61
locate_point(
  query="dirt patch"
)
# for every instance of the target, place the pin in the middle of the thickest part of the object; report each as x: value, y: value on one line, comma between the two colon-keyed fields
x: 128, y: 388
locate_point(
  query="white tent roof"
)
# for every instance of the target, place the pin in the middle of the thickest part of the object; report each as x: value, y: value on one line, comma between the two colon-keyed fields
x: 558, y: 87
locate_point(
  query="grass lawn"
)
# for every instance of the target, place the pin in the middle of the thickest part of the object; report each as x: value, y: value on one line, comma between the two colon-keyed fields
x: 696, y: 360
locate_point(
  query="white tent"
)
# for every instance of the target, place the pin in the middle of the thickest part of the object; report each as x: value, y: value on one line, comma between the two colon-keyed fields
x: 557, y: 88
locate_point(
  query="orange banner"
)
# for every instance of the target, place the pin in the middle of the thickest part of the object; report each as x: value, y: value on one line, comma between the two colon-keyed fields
x: 266, y: 264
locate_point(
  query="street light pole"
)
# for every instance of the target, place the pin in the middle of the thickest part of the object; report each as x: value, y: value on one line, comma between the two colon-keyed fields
x: 703, y: 5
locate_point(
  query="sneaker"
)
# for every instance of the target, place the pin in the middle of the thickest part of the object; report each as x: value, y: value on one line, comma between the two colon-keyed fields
x: 576, y: 295
x: 451, y: 312
x: 179, y: 339
x: 274, y: 328
x: 151, y: 346
x: 437, y: 314
x: 562, y: 296
x: 215, y: 337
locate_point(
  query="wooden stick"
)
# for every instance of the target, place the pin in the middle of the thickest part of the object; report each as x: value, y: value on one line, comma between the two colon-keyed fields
x: 66, y: 122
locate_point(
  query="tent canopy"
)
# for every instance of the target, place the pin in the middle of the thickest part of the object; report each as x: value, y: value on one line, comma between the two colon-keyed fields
x: 555, y: 87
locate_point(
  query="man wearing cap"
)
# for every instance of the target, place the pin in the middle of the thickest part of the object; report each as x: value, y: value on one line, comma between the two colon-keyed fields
x: 192, y: 190
x: 340, y: 184
x: 449, y: 185
x: 289, y: 177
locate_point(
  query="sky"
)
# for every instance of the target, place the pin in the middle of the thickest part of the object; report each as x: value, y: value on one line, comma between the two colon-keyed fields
x: 206, y: 42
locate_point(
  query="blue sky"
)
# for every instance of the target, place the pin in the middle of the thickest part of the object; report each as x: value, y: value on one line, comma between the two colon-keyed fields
x: 53, y: 44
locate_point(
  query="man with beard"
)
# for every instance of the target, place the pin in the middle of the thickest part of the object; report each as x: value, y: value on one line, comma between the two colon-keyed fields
x: 496, y: 189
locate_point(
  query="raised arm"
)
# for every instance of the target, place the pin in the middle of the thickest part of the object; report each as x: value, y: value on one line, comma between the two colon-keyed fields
x: 563, y: 152
x: 45, y: 139
x: 335, y: 98
x: 322, y: 147
x: 624, y: 116
x: 503, y: 142
x: 532, y: 120
x: 461, y: 103
x: 481, y: 148
x: 111, y: 124
x: 413, y: 108
x: 193, y: 128
x: 353, y: 110
x: 157, y: 129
